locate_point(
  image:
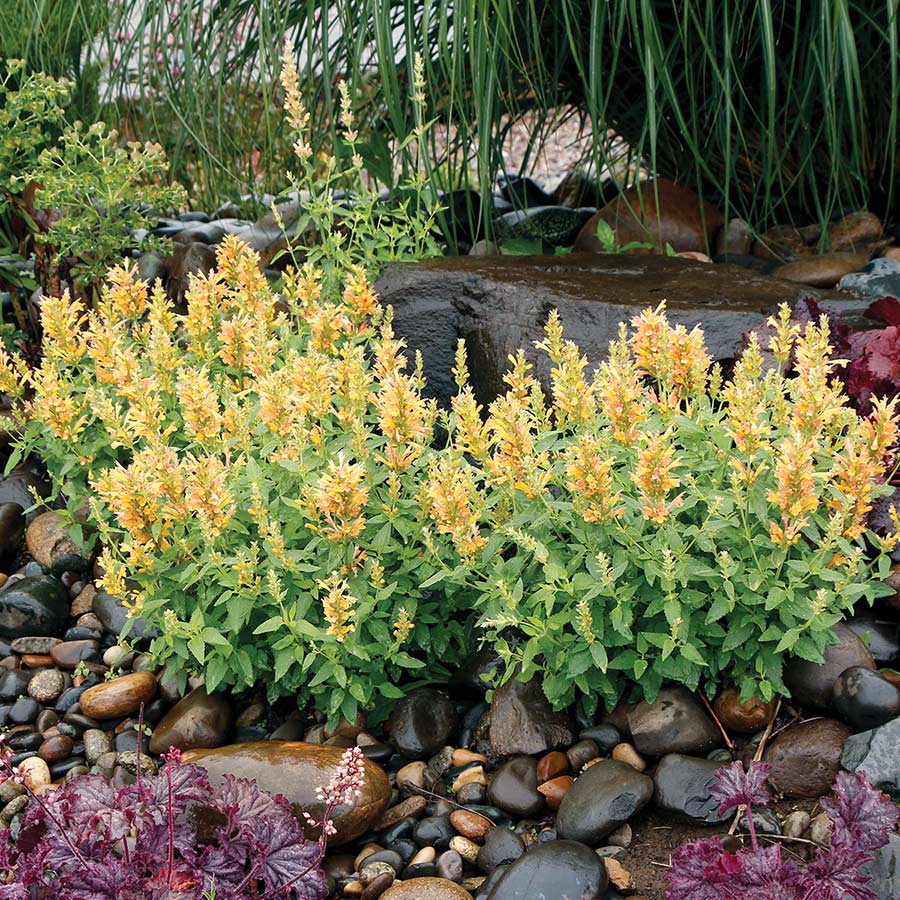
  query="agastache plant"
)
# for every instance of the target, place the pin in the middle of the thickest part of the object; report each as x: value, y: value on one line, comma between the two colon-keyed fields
x: 860, y: 815
x: 168, y: 836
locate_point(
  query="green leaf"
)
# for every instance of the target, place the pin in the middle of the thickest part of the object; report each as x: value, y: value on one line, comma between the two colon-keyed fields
x: 272, y: 624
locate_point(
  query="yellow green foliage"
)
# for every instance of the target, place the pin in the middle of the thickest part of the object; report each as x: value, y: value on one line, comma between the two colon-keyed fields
x: 649, y: 523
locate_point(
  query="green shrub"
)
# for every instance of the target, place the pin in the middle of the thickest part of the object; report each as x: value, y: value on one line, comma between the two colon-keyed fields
x: 653, y: 525
x: 102, y: 192
x: 254, y: 465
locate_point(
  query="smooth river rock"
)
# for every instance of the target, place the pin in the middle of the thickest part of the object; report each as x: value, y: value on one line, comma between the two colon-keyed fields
x: 119, y: 697
x: 675, y: 722
x: 554, y: 871
x: 812, y: 684
x: 805, y: 758
x: 682, y: 787
x: 197, y: 721
x: 114, y: 616
x: 48, y: 541
x: 426, y: 889
x: 297, y: 769
x: 659, y: 212
x: 523, y: 722
x: 499, y: 304
x: 33, y: 606
x: 422, y: 722
x: 606, y: 796
x: 864, y: 699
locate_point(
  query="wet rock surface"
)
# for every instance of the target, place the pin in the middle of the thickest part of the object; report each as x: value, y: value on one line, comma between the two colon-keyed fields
x: 606, y: 796
x: 555, y: 869
x: 522, y: 721
x: 297, y: 769
x: 805, y: 758
x: 812, y: 684
x: 682, y: 787
x: 500, y: 304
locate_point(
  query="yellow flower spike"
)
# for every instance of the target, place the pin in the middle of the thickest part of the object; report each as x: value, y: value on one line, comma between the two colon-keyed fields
x: 619, y: 392
x: 14, y: 375
x: 56, y: 403
x: 62, y: 321
x: 795, y: 493
x: 337, y: 606
x: 206, y: 492
x: 782, y: 342
x: 654, y: 479
x: 589, y: 479
x: 573, y: 397
x: 339, y: 500
x: 297, y: 115
x: 199, y: 405
x: 126, y: 294
x: 584, y: 623
x: 650, y: 343
x: 403, y: 626
x: 451, y: 499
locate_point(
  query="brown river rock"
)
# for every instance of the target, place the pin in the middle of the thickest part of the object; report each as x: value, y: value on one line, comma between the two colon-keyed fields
x: 197, y: 721
x: 659, y: 212
x: 744, y: 718
x: 297, y: 769
x: 119, y: 697
x: 806, y: 758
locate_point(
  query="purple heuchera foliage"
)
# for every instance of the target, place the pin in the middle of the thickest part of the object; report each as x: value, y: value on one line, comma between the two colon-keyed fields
x: 861, y: 817
x: 144, y: 842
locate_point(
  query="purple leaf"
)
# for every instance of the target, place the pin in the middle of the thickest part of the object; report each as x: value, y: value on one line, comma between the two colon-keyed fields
x: 734, y: 787
x: 694, y: 874
x: 861, y: 815
x: 886, y: 310
x: 245, y: 801
x: 836, y: 873
x: 288, y: 858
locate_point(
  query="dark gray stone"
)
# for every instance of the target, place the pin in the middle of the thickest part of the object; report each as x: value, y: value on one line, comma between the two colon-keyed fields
x: 513, y: 788
x: 499, y: 304
x: 877, y: 753
x: 880, y: 278
x: 864, y: 699
x: 675, y: 722
x: 113, y: 615
x: 812, y: 684
x: 553, y: 871
x: 523, y: 722
x: 682, y: 787
x: 501, y: 847
x: 606, y: 796
x: 33, y: 606
x: 421, y: 723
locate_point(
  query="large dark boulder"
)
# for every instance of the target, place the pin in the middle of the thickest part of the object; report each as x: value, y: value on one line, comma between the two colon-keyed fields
x: 499, y: 304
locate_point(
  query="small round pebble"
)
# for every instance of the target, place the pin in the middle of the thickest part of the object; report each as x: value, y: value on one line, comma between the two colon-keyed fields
x: 46, y: 686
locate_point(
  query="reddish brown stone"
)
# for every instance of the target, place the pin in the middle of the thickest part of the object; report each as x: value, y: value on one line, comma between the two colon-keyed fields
x: 297, y: 770
x: 36, y: 660
x: 805, y: 758
x: 552, y: 764
x: 659, y: 213
x: 119, y: 697
x: 57, y: 747
x: 744, y: 718
x: 68, y: 654
x: 555, y: 789
x: 469, y: 824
